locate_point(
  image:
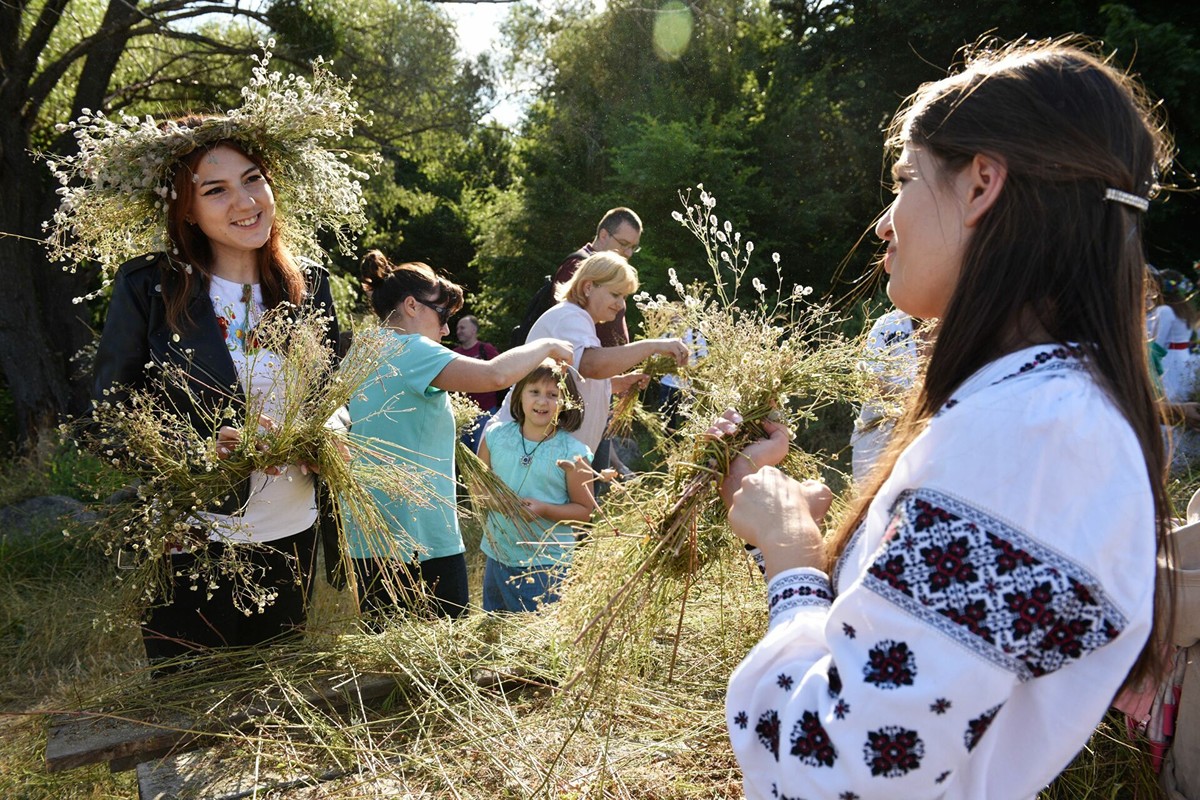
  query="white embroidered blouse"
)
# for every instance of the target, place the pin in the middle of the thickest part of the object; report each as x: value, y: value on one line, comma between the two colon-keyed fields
x: 981, y: 619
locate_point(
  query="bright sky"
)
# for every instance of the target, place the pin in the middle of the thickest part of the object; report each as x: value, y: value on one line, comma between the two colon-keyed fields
x: 478, y: 24
x: 479, y: 31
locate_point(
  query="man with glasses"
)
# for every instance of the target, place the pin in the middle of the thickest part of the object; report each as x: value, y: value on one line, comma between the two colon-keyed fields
x: 619, y: 231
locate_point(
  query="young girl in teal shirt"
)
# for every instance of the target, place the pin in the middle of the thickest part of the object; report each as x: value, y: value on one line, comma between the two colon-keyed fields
x: 539, y: 459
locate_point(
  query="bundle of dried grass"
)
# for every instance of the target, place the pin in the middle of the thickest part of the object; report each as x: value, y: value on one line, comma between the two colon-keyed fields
x: 769, y: 353
x: 175, y: 472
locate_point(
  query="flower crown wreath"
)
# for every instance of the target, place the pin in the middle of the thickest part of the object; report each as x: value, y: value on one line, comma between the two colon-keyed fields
x: 116, y: 189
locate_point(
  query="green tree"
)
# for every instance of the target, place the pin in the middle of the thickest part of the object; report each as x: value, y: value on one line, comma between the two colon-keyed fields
x: 842, y: 68
x: 622, y: 116
x: 423, y: 103
x: 780, y: 111
x: 60, y: 57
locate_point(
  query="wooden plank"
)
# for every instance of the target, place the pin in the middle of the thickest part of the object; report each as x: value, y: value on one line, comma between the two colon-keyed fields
x: 76, y: 740
x: 201, y: 773
x: 208, y: 774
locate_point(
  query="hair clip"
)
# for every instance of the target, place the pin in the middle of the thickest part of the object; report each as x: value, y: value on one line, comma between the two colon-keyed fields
x: 1125, y: 198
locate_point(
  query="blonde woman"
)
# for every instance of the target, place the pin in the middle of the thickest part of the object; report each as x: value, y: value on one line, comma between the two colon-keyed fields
x: 596, y: 294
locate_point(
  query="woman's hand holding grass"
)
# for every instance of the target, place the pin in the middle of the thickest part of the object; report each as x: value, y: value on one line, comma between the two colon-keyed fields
x: 769, y: 510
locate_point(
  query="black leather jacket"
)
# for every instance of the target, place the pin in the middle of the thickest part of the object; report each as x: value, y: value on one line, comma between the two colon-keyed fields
x: 136, y: 334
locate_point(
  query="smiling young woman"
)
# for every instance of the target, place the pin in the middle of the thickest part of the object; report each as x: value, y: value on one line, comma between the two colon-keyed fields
x: 196, y: 196
x: 196, y: 309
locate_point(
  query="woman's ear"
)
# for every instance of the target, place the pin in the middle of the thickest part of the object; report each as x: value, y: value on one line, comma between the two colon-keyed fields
x: 984, y: 178
x: 586, y: 288
x: 406, y: 308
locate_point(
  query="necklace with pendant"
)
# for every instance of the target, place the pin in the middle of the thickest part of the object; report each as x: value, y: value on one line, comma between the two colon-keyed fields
x: 527, y: 458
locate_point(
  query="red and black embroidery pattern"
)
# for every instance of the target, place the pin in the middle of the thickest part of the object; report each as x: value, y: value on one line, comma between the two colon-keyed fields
x: 990, y: 587
x: 768, y: 731
x: 810, y: 742
x: 890, y: 665
x: 893, y: 751
x: 798, y: 590
x: 1056, y: 358
x: 977, y: 727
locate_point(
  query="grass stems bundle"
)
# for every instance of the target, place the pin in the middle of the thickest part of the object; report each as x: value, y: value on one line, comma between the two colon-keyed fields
x: 771, y: 354
x: 175, y: 472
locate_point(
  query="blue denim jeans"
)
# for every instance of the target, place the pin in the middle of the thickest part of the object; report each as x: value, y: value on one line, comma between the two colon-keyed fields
x: 508, y: 588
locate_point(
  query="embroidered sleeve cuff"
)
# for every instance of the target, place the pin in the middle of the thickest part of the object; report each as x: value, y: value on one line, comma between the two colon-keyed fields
x: 757, y: 557
x: 795, y: 589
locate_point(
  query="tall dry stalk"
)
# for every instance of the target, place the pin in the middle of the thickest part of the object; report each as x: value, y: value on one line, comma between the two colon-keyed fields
x: 175, y: 472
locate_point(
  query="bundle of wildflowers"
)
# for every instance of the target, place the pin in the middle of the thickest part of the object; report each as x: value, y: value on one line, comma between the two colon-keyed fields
x: 114, y: 191
x: 771, y: 352
x: 179, y: 474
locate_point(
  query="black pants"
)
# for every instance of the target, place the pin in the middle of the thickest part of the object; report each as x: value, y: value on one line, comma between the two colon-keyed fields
x: 437, y: 587
x: 191, y: 621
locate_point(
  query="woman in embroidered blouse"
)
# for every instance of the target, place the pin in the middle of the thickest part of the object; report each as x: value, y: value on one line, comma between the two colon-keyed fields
x: 418, y: 562
x: 196, y: 309
x: 980, y: 605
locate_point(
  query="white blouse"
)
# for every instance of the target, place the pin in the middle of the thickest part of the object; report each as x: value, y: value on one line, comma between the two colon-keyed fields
x: 980, y: 621
x: 279, y: 505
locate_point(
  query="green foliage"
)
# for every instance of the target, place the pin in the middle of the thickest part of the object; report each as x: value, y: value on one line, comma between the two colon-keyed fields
x: 59, y: 467
x: 780, y: 110
x: 616, y: 124
x: 423, y: 102
x: 1159, y: 42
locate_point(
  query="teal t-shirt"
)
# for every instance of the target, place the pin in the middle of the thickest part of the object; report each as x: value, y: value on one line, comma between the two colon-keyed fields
x: 408, y: 420
x: 541, y: 542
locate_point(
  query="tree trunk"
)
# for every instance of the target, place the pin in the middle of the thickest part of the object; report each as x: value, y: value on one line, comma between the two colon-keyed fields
x: 40, y: 328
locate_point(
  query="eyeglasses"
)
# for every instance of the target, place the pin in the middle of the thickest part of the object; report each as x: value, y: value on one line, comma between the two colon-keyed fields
x: 443, y: 312
x: 624, y: 245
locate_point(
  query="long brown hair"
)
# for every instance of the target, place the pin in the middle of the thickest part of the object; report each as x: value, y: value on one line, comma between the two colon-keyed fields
x: 279, y: 274
x: 1051, y: 251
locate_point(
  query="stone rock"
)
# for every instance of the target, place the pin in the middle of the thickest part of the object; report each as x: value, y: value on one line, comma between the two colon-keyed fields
x: 39, y: 515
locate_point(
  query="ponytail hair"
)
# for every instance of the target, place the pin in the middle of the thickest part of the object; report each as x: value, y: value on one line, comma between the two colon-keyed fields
x: 388, y: 284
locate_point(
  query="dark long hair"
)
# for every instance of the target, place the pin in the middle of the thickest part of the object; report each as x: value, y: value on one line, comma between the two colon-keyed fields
x: 279, y: 274
x: 1051, y: 253
x: 387, y: 284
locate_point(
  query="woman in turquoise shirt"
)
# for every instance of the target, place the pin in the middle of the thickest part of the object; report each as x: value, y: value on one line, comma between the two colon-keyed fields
x: 418, y: 562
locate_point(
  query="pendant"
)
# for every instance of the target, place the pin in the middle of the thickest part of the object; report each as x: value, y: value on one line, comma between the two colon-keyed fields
x: 526, y: 460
